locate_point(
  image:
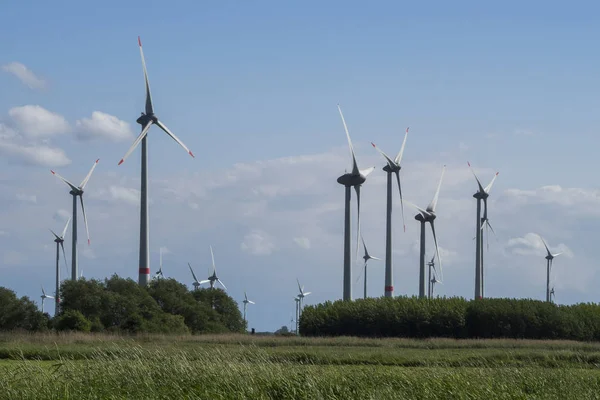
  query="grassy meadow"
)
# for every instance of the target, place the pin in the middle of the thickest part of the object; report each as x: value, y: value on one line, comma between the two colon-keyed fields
x: 94, y: 366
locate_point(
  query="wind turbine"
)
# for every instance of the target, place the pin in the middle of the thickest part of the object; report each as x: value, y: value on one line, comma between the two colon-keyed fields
x: 481, y: 194
x: 146, y: 120
x: 159, y: 273
x: 246, y: 301
x: 196, y: 282
x: 552, y: 294
x: 392, y: 167
x: 301, y: 296
x: 549, y: 259
x: 431, y: 265
x: 77, y: 191
x: 424, y: 216
x: 433, y: 282
x: 44, y: 296
x: 352, y: 179
x: 59, y: 240
x: 297, y: 299
x: 213, y: 278
x: 366, y: 257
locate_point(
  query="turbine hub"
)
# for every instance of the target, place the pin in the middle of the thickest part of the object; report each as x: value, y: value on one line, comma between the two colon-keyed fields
x: 350, y: 179
x: 394, y: 168
x: 145, y: 118
x: 481, y: 195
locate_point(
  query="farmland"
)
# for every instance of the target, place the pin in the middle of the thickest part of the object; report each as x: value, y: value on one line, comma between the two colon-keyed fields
x: 86, y: 366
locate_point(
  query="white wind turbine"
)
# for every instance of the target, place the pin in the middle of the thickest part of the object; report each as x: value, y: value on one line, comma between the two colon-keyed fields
x: 146, y: 120
x: 392, y: 167
x: 549, y: 258
x: 366, y: 257
x: 77, y: 191
x: 59, y: 240
x: 301, y: 296
x: 481, y: 194
x: 196, y: 282
x: 352, y: 179
x: 246, y: 302
x: 297, y: 300
x: 424, y: 216
x: 213, y: 278
x: 44, y: 297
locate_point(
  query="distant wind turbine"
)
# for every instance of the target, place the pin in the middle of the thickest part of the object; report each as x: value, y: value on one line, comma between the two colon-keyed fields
x: 146, y: 120
x: 352, y: 179
x: 424, y: 216
x: 549, y: 259
x: 246, y: 302
x: 44, y: 297
x: 196, y: 283
x: 301, y: 296
x: 366, y: 257
x: 213, y: 278
x: 392, y: 167
x: 481, y: 194
x: 159, y: 273
x: 77, y: 191
x: 59, y: 240
x: 432, y: 278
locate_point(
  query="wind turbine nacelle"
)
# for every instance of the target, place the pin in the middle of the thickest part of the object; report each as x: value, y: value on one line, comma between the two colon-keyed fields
x: 351, y: 180
x: 144, y: 119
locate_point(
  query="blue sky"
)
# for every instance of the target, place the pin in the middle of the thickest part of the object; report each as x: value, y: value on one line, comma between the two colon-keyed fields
x: 252, y: 90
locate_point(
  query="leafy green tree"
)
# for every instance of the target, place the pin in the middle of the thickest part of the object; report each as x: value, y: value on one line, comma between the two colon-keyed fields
x: 72, y: 320
x: 20, y: 313
x: 227, y: 308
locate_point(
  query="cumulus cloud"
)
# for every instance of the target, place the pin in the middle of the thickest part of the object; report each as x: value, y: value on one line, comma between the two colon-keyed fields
x: 103, y: 126
x: 532, y: 245
x: 258, y: 243
x: 25, y: 75
x: 37, y: 122
x: 35, y: 154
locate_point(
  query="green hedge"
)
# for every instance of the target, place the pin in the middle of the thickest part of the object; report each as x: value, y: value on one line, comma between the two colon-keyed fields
x: 452, y: 317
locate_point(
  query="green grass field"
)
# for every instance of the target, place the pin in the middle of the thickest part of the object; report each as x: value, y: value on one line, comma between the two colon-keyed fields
x: 78, y: 366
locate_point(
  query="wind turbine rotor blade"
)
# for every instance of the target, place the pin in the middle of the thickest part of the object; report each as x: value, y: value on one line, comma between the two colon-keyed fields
x: 361, y: 272
x: 481, y: 189
x: 401, y: 201
x: 137, y: 141
x: 245, y: 296
x: 193, y: 274
x: 64, y: 256
x: 55, y: 235
x: 421, y: 211
x: 545, y: 245
x: 175, y: 138
x: 299, y: 287
x: 224, y: 287
x: 557, y: 254
x: 75, y: 188
x: 489, y: 187
x: 433, y: 203
x: 390, y: 162
x: 365, y: 246
x: 212, y: 256
x: 490, y: 226
x: 354, y: 164
x: 149, y: 108
x: 43, y: 291
x: 437, y: 250
x: 204, y: 281
x: 366, y: 172
x: 357, y: 188
x: 87, y: 177
x: 85, y: 219
x: 251, y: 302
x: 398, y: 158
x: 64, y: 232
x: 307, y: 293
x: 375, y: 258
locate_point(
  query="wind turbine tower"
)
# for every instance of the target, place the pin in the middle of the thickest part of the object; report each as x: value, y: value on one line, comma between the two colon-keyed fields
x: 549, y: 258
x: 75, y: 192
x: 352, y: 179
x: 424, y: 216
x: 431, y: 265
x: 482, y: 194
x: 146, y: 120
x: 297, y: 300
x: 367, y: 257
x: 44, y: 296
x: 59, y: 240
x: 392, y: 167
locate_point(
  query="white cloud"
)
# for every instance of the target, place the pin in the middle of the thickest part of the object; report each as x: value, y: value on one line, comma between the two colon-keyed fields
x: 303, y: 242
x: 35, y: 154
x: 165, y: 250
x: 25, y: 75
x: 62, y: 215
x: 104, y: 126
x: 35, y: 121
x: 31, y: 198
x: 127, y: 195
x: 258, y: 243
x: 531, y: 245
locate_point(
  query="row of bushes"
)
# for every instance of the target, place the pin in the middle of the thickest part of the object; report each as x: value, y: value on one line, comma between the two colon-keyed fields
x: 121, y: 305
x: 452, y: 317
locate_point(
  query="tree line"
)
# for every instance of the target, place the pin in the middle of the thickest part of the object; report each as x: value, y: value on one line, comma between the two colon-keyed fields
x: 453, y: 318
x: 121, y: 305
